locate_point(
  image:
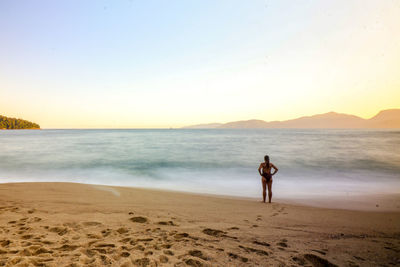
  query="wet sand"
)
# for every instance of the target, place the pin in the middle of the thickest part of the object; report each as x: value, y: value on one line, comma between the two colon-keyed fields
x: 67, y: 224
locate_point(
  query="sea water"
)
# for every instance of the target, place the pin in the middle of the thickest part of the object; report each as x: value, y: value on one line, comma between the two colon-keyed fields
x: 311, y: 162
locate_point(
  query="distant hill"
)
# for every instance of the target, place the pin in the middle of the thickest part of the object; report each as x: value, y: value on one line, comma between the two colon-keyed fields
x: 389, y: 118
x: 205, y: 126
x: 13, y: 123
x: 384, y: 119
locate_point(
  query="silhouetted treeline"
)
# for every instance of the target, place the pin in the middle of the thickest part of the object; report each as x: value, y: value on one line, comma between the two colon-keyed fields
x: 13, y: 123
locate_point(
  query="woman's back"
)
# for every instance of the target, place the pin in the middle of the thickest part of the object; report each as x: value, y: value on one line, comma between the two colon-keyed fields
x: 266, y: 168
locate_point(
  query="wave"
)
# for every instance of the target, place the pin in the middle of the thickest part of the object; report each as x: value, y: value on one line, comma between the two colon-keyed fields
x: 310, y: 162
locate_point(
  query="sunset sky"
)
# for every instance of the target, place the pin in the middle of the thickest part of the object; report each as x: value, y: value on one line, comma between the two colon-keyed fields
x: 151, y: 64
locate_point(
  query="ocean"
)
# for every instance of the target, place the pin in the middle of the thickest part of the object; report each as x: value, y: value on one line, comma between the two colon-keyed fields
x: 311, y: 162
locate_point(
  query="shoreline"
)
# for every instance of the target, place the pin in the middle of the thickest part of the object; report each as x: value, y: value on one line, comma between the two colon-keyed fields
x: 356, y: 202
x: 56, y: 224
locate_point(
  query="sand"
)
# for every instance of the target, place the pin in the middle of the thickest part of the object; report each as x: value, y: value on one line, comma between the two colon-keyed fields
x: 67, y: 224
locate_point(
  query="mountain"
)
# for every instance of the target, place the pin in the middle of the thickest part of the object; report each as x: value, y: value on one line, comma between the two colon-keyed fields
x: 384, y: 119
x: 13, y: 123
x: 326, y: 120
x: 389, y: 118
x: 204, y: 126
x: 245, y: 124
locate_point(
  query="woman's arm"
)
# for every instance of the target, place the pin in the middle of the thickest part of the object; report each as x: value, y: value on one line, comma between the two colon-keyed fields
x: 275, y: 169
x: 260, y: 168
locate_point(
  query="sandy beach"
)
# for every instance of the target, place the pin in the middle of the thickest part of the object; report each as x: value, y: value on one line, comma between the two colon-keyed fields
x: 67, y: 224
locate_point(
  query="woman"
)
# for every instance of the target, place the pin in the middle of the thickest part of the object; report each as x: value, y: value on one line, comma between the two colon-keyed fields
x: 267, y: 176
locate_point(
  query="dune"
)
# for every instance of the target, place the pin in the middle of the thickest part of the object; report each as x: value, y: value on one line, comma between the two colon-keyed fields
x: 67, y: 224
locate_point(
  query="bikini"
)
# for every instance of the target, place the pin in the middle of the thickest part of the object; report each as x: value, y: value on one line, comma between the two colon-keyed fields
x: 267, y: 176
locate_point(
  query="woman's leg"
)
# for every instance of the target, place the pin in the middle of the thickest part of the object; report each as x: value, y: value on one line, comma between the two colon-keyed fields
x: 264, y: 185
x: 269, y: 190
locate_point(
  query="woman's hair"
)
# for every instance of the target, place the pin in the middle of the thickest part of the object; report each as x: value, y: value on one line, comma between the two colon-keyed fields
x: 266, y: 158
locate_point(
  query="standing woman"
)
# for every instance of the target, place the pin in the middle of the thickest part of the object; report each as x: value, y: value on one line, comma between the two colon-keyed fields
x: 266, y: 175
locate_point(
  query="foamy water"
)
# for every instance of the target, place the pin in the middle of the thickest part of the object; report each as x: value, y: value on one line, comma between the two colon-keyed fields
x: 312, y: 163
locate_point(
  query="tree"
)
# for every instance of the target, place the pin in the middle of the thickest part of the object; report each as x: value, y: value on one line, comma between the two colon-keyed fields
x: 13, y: 123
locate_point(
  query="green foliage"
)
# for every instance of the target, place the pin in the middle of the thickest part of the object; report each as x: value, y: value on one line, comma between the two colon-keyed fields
x: 13, y: 123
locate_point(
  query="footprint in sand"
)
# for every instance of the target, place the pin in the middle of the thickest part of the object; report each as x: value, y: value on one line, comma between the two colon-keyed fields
x: 139, y: 219
x: 106, y: 232
x: 125, y: 240
x: 25, y: 243
x: 166, y: 245
x: 67, y: 247
x: 105, y: 260
x: 5, y: 243
x: 42, y: 251
x: 105, y: 245
x: 87, y: 260
x: 139, y: 247
x: 93, y: 236
x: 171, y: 223
x: 59, y: 230
x: 261, y: 243
x: 168, y: 252
x: 217, y: 233
x: 125, y: 254
x: 91, y: 223
x: 100, y: 250
x: 235, y: 256
x: 198, y: 254
x: 181, y: 235
x: 88, y: 252
x: 359, y: 258
x: 89, y: 244
x: 34, y: 219
x: 26, y: 237
x: 163, y: 259
x: 318, y: 261
x: 122, y: 230
x: 124, y: 248
x: 214, y: 232
x: 158, y: 229
x: 193, y: 262
x: 319, y: 251
x: 254, y: 250
x: 24, y: 229
x: 73, y: 225
x: 141, y: 262
x: 299, y: 260
x: 144, y: 239
x: 282, y: 244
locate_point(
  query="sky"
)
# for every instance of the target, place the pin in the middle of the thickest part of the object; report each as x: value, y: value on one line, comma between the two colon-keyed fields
x: 156, y: 64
